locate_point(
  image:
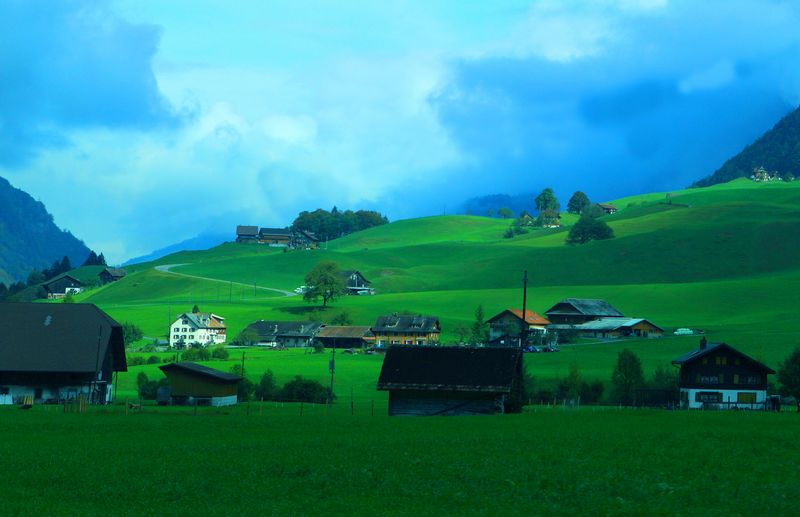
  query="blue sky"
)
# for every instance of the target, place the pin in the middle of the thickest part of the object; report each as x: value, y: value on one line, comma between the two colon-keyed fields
x: 143, y: 123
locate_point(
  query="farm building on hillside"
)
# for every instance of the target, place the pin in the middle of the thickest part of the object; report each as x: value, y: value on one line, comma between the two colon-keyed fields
x: 288, y: 334
x: 356, y: 283
x: 59, y: 286
x: 304, y: 239
x: 275, y: 236
x: 606, y: 208
x: 198, y: 328
x: 111, y: 274
x: 429, y: 381
x: 332, y: 336
x: 246, y: 233
x: 605, y: 328
x: 406, y: 330
x: 58, y: 352
x: 192, y: 383
x: 574, y: 311
x: 719, y: 376
x: 505, y: 327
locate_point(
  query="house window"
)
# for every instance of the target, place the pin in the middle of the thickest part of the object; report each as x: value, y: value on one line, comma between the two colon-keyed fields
x: 752, y: 379
x: 746, y: 397
x: 409, y: 342
x: 721, y: 360
x: 710, y: 379
x: 736, y: 378
x: 708, y: 396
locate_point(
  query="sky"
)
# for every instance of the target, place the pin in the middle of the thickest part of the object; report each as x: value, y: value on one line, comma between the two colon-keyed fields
x: 143, y: 123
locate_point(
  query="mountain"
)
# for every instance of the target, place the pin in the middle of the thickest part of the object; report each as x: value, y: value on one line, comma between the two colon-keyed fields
x: 490, y: 204
x: 777, y: 150
x: 29, y: 238
x: 202, y: 241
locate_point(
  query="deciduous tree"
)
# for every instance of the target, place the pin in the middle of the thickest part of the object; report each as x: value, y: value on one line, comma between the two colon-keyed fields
x: 577, y: 202
x: 627, y: 377
x: 789, y: 376
x: 324, y: 281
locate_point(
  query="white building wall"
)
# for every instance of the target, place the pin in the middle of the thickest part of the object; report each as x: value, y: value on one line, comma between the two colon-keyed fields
x: 728, y: 396
x: 17, y: 393
x: 193, y: 334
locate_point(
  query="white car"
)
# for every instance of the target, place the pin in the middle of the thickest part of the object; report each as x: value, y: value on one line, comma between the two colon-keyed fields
x: 683, y: 332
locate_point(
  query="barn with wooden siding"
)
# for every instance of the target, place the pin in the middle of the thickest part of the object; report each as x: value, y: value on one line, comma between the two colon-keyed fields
x: 59, y: 286
x: 350, y: 336
x: 432, y: 381
x: 192, y: 383
x: 57, y: 352
x: 574, y: 311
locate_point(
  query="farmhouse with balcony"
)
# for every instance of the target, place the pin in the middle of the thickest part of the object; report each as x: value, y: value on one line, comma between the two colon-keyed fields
x: 59, y: 286
x: 719, y: 376
x: 246, y: 233
x: 57, y: 352
x: 428, y: 381
x: 356, y: 283
x: 290, y: 334
x: 198, y: 328
x: 333, y: 336
x: 304, y: 239
x: 192, y: 383
x: 406, y: 330
x: 111, y: 274
x: 281, y: 237
x: 505, y: 327
x: 574, y: 311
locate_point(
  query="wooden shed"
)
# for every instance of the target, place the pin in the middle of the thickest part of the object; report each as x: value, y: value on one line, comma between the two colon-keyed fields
x: 431, y: 380
x: 192, y: 383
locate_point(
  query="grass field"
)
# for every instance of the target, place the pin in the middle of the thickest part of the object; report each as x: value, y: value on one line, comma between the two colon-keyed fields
x: 273, y: 461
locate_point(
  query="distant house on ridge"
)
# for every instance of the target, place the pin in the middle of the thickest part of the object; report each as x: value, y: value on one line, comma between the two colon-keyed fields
x: 356, y: 283
x: 608, y: 209
x: 406, y: 330
x: 246, y: 233
x: 275, y: 236
x: 61, y: 285
x: 111, y: 274
x: 288, y: 334
x: 200, y: 328
x: 574, y: 311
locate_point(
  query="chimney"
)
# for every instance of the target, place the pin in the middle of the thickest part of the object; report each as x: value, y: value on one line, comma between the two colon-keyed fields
x: 703, y: 343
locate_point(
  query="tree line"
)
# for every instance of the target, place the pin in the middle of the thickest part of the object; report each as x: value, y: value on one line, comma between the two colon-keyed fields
x: 36, y: 277
x: 329, y: 225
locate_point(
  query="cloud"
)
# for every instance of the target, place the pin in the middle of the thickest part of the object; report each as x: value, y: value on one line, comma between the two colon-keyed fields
x: 73, y: 65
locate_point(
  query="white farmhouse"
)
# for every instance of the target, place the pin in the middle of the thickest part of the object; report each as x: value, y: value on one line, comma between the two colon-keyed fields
x: 199, y: 328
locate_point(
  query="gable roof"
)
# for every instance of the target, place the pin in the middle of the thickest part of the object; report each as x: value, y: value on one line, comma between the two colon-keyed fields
x: 347, y: 274
x: 348, y: 331
x: 203, y: 320
x: 116, y: 273
x: 269, y: 330
x: 450, y: 368
x: 246, y: 231
x: 396, y: 323
x: 584, y: 307
x: 47, y: 337
x: 613, y: 324
x: 530, y: 317
x: 199, y: 369
x: 699, y: 353
x: 275, y: 231
x: 62, y: 276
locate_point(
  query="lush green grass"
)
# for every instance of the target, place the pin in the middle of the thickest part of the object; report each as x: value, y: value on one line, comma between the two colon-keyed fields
x: 550, y: 461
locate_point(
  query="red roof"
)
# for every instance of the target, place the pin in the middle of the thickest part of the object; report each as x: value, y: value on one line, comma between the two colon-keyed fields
x: 530, y: 317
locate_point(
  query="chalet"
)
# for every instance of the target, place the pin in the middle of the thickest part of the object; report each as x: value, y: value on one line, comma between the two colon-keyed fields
x: 332, y: 336
x: 58, y: 352
x: 574, y: 311
x: 59, y: 286
x: 195, y: 384
x: 406, y: 330
x: 246, y: 233
x: 275, y: 236
x: 304, y: 239
x: 505, y: 327
x: 290, y: 334
x: 199, y: 329
x: 428, y: 381
x: 605, y: 328
x: 111, y: 274
x: 356, y: 283
x: 719, y: 376
x: 606, y: 208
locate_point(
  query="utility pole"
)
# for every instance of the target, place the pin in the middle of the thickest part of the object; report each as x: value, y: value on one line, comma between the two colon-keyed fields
x: 523, y: 335
x: 332, y: 368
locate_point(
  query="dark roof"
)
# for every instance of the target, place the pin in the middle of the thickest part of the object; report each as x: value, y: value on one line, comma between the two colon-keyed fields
x: 610, y: 324
x: 114, y: 272
x: 346, y: 274
x: 352, y: 332
x: 308, y: 235
x: 63, y: 276
x: 275, y: 231
x: 450, y: 368
x: 269, y: 330
x: 717, y: 347
x: 250, y: 231
x: 199, y: 369
x: 48, y: 337
x: 585, y: 307
x: 531, y: 317
x: 397, y: 323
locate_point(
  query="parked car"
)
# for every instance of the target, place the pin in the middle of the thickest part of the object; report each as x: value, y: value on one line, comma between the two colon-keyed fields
x: 683, y: 332
x: 532, y: 348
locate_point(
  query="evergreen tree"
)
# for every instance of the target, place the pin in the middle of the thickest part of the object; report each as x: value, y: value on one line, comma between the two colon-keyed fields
x: 627, y: 377
x: 65, y: 265
x: 480, y: 329
x: 91, y: 260
x: 789, y: 376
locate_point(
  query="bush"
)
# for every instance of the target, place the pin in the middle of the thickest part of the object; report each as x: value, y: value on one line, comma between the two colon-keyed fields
x: 131, y: 333
x: 153, y: 359
x: 305, y: 390
x: 136, y: 361
x: 267, y: 388
x: 190, y: 354
x: 220, y: 353
x: 318, y: 347
x: 591, y: 392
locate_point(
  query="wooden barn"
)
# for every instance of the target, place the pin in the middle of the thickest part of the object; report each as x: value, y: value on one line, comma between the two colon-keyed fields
x: 351, y: 336
x: 356, y: 283
x: 574, y: 311
x: 59, y: 286
x: 431, y: 381
x: 275, y: 236
x: 720, y: 377
x: 58, y: 352
x: 111, y: 274
x: 245, y: 233
x: 192, y: 383
x: 290, y: 334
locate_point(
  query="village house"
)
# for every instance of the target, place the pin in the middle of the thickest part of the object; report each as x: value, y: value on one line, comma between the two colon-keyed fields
x: 246, y: 233
x: 62, y: 285
x: 606, y: 208
x: 356, y: 283
x: 197, y: 329
x: 195, y: 384
x: 289, y: 334
x: 718, y: 376
x: 279, y: 237
x: 505, y: 327
x: 333, y: 336
x: 574, y: 311
x: 58, y: 352
x: 111, y: 274
x: 406, y: 330
x: 304, y: 239
x: 430, y: 381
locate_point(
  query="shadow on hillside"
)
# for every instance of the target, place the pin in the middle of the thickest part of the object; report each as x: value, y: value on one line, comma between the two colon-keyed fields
x: 304, y: 310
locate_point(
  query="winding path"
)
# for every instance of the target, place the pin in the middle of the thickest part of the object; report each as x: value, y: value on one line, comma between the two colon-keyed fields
x: 166, y: 268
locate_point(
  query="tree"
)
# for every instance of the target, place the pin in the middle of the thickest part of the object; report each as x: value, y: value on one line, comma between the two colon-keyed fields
x: 462, y: 332
x: 35, y: 277
x: 627, y: 377
x: 91, y: 260
x: 480, y: 329
x: 131, y: 333
x: 546, y: 200
x: 789, y: 376
x: 788, y: 177
x: 306, y: 390
x: 195, y: 309
x: 573, y: 381
x: 505, y: 212
x: 578, y: 202
x: 324, y: 281
x: 247, y: 337
x: 267, y: 388
x: 587, y: 229
x: 343, y: 318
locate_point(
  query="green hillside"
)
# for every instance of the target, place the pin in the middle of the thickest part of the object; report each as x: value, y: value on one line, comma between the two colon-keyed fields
x: 722, y: 258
